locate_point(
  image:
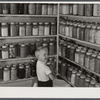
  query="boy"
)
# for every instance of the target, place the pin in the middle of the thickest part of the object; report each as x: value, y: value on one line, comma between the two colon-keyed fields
x: 44, y: 73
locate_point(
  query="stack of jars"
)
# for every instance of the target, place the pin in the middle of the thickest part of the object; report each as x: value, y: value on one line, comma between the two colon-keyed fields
x: 28, y: 29
x: 84, y: 31
x: 76, y: 76
x: 83, y: 56
x: 18, y: 71
x: 80, y: 9
x: 26, y: 8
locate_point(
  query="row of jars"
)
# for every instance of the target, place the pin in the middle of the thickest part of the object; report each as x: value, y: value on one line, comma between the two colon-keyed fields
x: 26, y: 49
x: 76, y: 76
x: 84, y: 31
x: 28, y: 8
x: 80, y: 9
x: 27, y: 29
x: 85, y: 57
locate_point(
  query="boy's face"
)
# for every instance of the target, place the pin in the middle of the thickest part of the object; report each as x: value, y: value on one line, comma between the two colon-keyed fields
x: 43, y: 55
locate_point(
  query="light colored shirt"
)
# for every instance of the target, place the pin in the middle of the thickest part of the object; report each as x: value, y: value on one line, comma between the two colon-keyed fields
x: 42, y: 71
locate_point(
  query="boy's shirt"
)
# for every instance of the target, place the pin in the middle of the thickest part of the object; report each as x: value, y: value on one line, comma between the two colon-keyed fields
x: 42, y: 71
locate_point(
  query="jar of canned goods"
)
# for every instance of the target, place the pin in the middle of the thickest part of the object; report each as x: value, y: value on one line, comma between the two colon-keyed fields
x: 41, y: 28
x: 54, y: 9
x: 81, y: 9
x: 4, y: 29
x: 53, y: 28
x: 50, y: 9
x: 27, y: 70
x: 23, y: 50
x: 13, y: 72
x: 62, y: 28
x: 78, y: 30
x: 28, y: 29
x: 60, y: 48
x: 44, y: 9
x: 21, y: 71
x: 5, y: 8
x: 4, y: 52
x: 35, y: 29
x: 68, y: 51
x: 31, y: 9
x: 32, y: 48
x: 13, y: 8
x: 38, y: 42
x: 21, y: 29
x: 38, y: 9
x: 21, y: 8
x: 51, y: 48
x: 73, y: 77
x: 63, y: 69
x: 64, y: 49
x: 1, y: 74
x: 25, y: 8
x: 92, y: 83
x: 45, y: 45
x: 46, y: 29
x: 67, y: 28
x: 65, y: 9
x: 71, y: 9
x: 70, y: 29
x: 81, y: 81
x: 75, y: 9
x: 59, y: 66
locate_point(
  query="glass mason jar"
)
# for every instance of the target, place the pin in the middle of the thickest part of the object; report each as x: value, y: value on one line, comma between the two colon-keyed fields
x: 62, y: 27
x: 92, y: 34
x: 28, y: 29
x: 60, y: 47
x: 21, y: 8
x: 92, y: 62
x: 25, y: 8
x: 64, y: 45
x: 53, y: 28
x: 13, y: 29
x: 87, y: 81
x: 35, y: 29
x: 47, y: 28
x: 4, y: 29
x: 81, y: 80
x: 41, y: 28
x: 81, y: 9
x: 51, y: 48
x: 44, y: 9
x: 68, y: 51
x: 70, y: 9
x: 5, y: 8
x: 21, y: 29
x: 67, y: 28
x: 32, y: 9
x: 5, y: 51
x: 55, y: 7
x: 27, y: 70
x: 59, y: 66
x: 73, y: 77
x: 1, y: 74
x: 38, y: 9
x: 44, y: 44
x: 13, y: 8
x: 87, y: 59
x: 70, y: 29
x: 65, y: 9
x: 38, y: 42
x: 6, y: 74
x: 70, y: 69
x: 75, y: 9
x: 63, y: 69
x: 21, y: 71
x: 78, y: 30
x: 50, y: 9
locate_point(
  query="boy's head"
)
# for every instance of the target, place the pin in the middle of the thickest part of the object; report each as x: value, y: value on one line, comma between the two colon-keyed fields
x: 42, y: 53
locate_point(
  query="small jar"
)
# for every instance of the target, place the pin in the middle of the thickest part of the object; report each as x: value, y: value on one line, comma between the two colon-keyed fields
x: 53, y: 28
x: 60, y: 48
x: 45, y: 45
x: 67, y: 28
x: 21, y: 8
x: 25, y: 8
x: 5, y: 53
x: 65, y: 9
x: 32, y: 9
x: 78, y: 30
x: 64, y: 50
x: 5, y: 8
x: 50, y: 9
x: 44, y: 9
x: 27, y: 70
x: 63, y: 69
x: 23, y: 50
x: 69, y: 74
x: 70, y: 29
x: 28, y: 29
x: 21, y: 29
x: 13, y: 8
x: 87, y: 81
x: 35, y: 29
x: 75, y: 9
x: 81, y: 81
x: 71, y: 9
x: 4, y: 29
x: 32, y: 48
x: 55, y: 7
x: 62, y: 28
x: 21, y: 71
x: 1, y: 74
x: 68, y: 51
x: 38, y: 43
x: 73, y: 77
x: 51, y: 48
x: 41, y: 29
x: 38, y: 9
x: 46, y: 29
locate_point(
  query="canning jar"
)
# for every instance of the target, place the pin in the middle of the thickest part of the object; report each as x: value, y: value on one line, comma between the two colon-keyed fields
x: 73, y: 77
x: 63, y: 69
x: 6, y: 74
x: 65, y: 9
x: 21, y: 8
x: 81, y: 9
x: 97, y: 84
x: 95, y: 10
x: 45, y: 45
x: 38, y: 43
x: 25, y: 8
x: 55, y: 9
x: 64, y: 45
x: 27, y: 70
x: 35, y: 29
x: 62, y: 28
x: 50, y: 9
x: 38, y: 9
x: 78, y: 30
x: 5, y: 8
x: 53, y: 28
x: 87, y: 81
x: 28, y: 29
x: 21, y: 71
x: 70, y: 29
x: 13, y: 8
x: 92, y: 83
x: 70, y: 9
x: 51, y: 48
x: 31, y: 9
x: 75, y: 9
x: 81, y: 80
x: 41, y: 28
x: 13, y: 29
x: 5, y: 54
x: 1, y: 74
x: 13, y: 72
x: 68, y: 51
x: 21, y: 29
x: 67, y: 28
x: 46, y: 29
x: 23, y: 50
x: 60, y: 47
x: 44, y: 9
x: 4, y: 29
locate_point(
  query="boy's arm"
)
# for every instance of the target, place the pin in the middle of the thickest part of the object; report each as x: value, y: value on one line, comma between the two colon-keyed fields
x: 51, y: 76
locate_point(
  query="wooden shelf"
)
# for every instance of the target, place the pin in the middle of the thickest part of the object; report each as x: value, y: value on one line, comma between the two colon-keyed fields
x: 82, y: 18
x: 81, y: 66
x: 64, y: 78
x: 84, y: 43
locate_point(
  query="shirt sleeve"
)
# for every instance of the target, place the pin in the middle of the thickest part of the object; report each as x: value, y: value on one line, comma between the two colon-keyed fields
x: 47, y: 70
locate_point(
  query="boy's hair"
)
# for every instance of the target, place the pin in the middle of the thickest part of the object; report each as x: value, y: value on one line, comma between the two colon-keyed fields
x: 39, y: 49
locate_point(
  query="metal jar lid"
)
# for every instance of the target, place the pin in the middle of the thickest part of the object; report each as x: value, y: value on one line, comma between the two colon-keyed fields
x: 88, y: 53
x: 92, y: 82
x: 82, y: 76
x: 40, y: 23
x: 11, y: 45
x: 12, y: 23
x: 6, y: 68
x: 93, y: 55
x: 87, y: 80
x: 98, y: 56
x: 3, y: 23
x: 63, y: 64
x: 53, y: 23
x: 74, y: 72
x: 83, y: 51
x: 97, y: 84
x: 35, y: 23
x: 78, y: 50
x: 4, y: 46
x: 28, y: 23
x: 46, y: 23
x: 94, y: 26
x: 23, y: 45
x: 21, y: 23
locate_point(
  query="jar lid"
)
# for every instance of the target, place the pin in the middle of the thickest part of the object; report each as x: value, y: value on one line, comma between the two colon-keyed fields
x: 40, y: 23
x: 63, y: 64
x: 46, y: 23
x: 28, y: 23
x: 12, y: 23
x: 33, y: 60
x: 21, y: 23
x: 98, y: 56
x: 78, y: 74
x: 22, y: 45
x: 3, y: 23
x: 21, y: 66
x: 71, y: 24
x: 78, y: 50
x: 98, y: 27
x: 34, y: 23
x: 83, y: 26
x: 83, y: 51
x: 44, y: 44
x: 11, y: 45
x: 4, y: 46
x: 75, y: 24
x: 52, y: 39
x: 87, y: 79
x: 6, y: 68
x: 13, y: 67
x: 88, y: 26
x: 48, y: 63
x: 38, y: 40
x: 59, y: 61
x: 70, y: 69
x: 88, y: 53
x: 79, y: 25
x: 94, y: 26
x: 82, y: 76
x: 68, y: 46
x: 27, y: 66
x: 74, y: 72
x: 45, y: 40
x: 53, y: 23
x: 92, y: 82
x: 93, y: 55
x: 51, y: 43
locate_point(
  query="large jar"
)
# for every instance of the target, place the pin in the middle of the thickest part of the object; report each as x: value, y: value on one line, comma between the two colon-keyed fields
x: 13, y: 8
x: 67, y: 28
x: 70, y: 29
x: 70, y: 9
x: 35, y: 29
x: 27, y: 70
x: 41, y: 29
x: 62, y: 28
x: 55, y: 9
x: 21, y: 8
x: 87, y: 81
x: 5, y: 53
x: 81, y: 80
x: 38, y: 9
x: 63, y: 69
x: 50, y: 9
x: 73, y: 77
x: 75, y: 9
x: 78, y: 30
x: 28, y: 29
x: 96, y: 10
x: 51, y: 48
x: 65, y: 9
x: 21, y: 29
x: 1, y: 74
x: 4, y: 29
x: 53, y: 28
x: 44, y: 9
x: 46, y: 29
x: 68, y: 51
x: 5, y: 8
x: 31, y: 9
x: 25, y: 8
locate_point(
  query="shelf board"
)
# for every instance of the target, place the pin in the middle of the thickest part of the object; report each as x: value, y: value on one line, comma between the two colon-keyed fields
x: 84, y: 43
x: 81, y: 66
x: 64, y: 78
x: 82, y: 18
